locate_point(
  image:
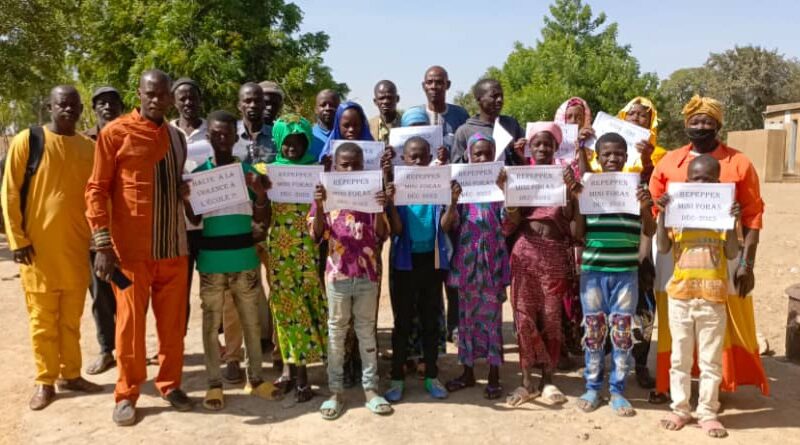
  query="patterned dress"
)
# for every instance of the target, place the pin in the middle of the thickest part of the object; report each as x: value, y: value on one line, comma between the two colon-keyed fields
x: 296, y: 300
x: 480, y: 270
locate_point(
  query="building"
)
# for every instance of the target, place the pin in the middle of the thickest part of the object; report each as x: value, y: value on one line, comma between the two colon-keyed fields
x: 786, y: 117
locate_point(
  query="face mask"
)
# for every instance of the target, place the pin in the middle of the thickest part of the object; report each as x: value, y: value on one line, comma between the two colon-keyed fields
x: 701, y: 136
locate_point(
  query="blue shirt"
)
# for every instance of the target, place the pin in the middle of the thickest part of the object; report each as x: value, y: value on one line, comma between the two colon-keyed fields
x: 320, y: 137
x: 453, y: 117
x: 402, y: 249
x: 262, y: 150
x: 422, y: 229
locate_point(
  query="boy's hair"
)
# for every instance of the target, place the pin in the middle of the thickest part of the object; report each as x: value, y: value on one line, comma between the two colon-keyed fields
x: 417, y: 140
x: 482, y: 85
x: 610, y: 138
x: 706, y: 161
x: 348, y: 147
x: 222, y: 116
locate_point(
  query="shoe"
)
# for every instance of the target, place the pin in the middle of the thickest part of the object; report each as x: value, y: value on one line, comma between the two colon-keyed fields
x: 42, y: 396
x: 644, y: 379
x: 233, y: 373
x: 78, y: 384
x: 179, y: 400
x: 101, y: 364
x: 395, y: 392
x: 264, y: 390
x: 436, y: 389
x: 124, y: 413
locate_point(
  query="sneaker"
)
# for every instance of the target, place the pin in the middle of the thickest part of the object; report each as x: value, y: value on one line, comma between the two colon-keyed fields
x: 179, y: 400
x: 395, y: 392
x: 124, y: 413
x: 436, y: 389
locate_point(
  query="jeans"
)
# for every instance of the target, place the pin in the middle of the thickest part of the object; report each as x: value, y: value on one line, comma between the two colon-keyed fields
x: 104, y: 311
x: 352, y: 298
x: 609, y: 301
x: 245, y: 290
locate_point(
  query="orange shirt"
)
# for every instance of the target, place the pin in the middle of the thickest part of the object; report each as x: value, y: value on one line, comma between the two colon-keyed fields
x: 735, y: 167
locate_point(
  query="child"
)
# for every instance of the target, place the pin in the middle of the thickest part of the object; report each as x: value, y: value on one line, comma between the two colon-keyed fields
x: 541, y: 276
x: 609, y: 284
x: 295, y: 295
x: 480, y: 271
x: 227, y: 262
x: 419, y: 255
x: 697, y: 294
x: 351, y: 283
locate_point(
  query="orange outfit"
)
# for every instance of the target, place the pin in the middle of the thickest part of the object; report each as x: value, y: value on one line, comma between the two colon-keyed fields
x: 137, y: 168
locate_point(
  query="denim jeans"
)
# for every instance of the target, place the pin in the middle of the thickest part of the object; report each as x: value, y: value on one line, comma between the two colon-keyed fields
x: 352, y: 298
x: 609, y: 302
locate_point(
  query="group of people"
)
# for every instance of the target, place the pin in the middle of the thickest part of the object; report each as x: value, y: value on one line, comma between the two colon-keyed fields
x: 589, y: 284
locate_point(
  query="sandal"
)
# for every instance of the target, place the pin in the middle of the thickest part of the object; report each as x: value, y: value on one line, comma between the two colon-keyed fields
x: 332, y: 408
x: 214, y: 399
x: 552, y: 394
x: 621, y: 406
x: 520, y: 396
x: 589, y: 401
x: 303, y: 394
x: 284, y: 383
x: 379, y: 405
x: 458, y: 383
x: 657, y: 398
x: 713, y: 428
x: 674, y: 422
x: 492, y: 392
x: 264, y: 390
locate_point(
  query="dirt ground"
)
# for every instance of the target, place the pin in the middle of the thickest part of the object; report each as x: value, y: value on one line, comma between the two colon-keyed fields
x: 465, y: 417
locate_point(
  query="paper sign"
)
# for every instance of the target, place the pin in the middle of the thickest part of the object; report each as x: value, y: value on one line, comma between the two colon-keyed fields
x: 293, y: 184
x: 431, y: 133
x: 632, y: 133
x: 478, y: 182
x: 566, y: 150
x: 609, y: 193
x: 352, y: 190
x: 535, y: 186
x: 373, y: 150
x: 422, y: 185
x: 700, y: 206
x: 217, y: 188
x: 501, y: 140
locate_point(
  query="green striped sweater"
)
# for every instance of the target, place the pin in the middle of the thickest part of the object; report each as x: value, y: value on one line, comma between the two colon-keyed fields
x: 612, y: 243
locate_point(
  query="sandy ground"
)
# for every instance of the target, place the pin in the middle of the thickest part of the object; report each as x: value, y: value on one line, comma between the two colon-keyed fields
x: 465, y: 417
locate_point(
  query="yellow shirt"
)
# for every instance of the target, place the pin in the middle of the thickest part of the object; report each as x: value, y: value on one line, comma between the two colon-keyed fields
x: 701, y: 268
x: 55, y: 211
x: 637, y: 167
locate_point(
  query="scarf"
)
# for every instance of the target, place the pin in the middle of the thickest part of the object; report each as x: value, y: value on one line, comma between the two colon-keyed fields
x: 474, y: 139
x: 337, y: 134
x: 414, y: 116
x: 647, y: 103
x: 561, y: 113
x: 286, y: 126
x: 703, y: 105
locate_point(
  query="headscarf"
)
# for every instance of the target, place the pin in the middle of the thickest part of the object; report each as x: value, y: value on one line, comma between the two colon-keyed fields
x: 703, y: 105
x: 336, y: 134
x: 414, y: 116
x: 647, y: 103
x: 286, y: 126
x: 474, y: 139
x: 549, y: 127
x: 561, y: 113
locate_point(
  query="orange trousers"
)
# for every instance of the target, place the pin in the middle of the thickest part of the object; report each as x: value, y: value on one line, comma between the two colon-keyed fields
x: 164, y: 282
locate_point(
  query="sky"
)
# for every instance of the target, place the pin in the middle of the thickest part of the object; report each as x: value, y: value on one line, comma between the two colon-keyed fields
x: 372, y: 40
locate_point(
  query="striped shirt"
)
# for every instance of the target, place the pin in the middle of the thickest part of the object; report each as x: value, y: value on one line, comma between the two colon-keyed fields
x: 612, y: 243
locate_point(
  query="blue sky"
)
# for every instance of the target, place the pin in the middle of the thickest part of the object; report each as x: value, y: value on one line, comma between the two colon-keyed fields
x: 376, y: 39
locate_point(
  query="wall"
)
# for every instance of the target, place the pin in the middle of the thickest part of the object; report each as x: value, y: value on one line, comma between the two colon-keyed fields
x: 782, y: 120
x: 766, y: 150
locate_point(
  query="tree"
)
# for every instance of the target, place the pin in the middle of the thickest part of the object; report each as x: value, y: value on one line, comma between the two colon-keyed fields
x: 673, y: 93
x: 466, y: 101
x: 577, y: 55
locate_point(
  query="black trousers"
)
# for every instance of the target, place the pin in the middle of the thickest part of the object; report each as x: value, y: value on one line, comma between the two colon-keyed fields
x: 104, y: 311
x: 416, y: 292
x: 193, y: 238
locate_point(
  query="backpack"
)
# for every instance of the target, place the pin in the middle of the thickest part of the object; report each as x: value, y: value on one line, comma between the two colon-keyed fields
x: 35, y: 154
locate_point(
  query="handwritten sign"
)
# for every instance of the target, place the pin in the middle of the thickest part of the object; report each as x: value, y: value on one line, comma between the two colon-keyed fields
x: 293, y: 184
x: 422, y: 185
x: 431, y: 133
x: 632, y: 133
x: 478, y: 182
x: 700, y: 206
x: 535, y: 186
x: 373, y: 150
x: 609, y: 193
x: 566, y: 150
x: 217, y: 188
x: 352, y: 190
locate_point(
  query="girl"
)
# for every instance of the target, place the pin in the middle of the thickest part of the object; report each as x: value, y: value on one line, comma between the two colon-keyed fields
x: 295, y: 295
x: 541, y: 275
x: 480, y: 271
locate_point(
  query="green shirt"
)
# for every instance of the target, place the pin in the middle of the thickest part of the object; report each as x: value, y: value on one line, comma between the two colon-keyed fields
x: 232, y: 221
x: 612, y: 243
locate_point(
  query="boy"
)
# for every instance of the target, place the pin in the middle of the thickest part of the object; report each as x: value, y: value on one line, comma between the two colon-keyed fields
x: 419, y: 254
x: 609, y: 282
x: 227, y: 261
x: 697, y: 294
x: 351, y: 283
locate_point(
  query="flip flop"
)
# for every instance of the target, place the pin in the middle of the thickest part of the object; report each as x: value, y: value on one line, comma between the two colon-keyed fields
x: 214, y: 395
x: 589, y: 401
x: 379, y: 405
x: 492, y: 392
x: 674, y: 422
x: 520, y: 396
x: 334, y: 405
x: 264, y: 390
x: 621, y: 406
x: 457, y: 384
x: 713, y: 428
x: 552, y: 394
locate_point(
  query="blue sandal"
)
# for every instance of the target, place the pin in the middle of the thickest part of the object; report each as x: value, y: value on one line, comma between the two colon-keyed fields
x: 621, y: 406
x: 589, y: 401
x: 379, y: 405
x: 337, y: 406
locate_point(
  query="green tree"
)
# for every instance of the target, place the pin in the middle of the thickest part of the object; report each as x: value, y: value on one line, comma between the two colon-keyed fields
x: 673, y: 93
x: 467, y: 101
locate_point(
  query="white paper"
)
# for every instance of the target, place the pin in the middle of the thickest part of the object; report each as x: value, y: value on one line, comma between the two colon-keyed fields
x: 632, y: 133
x: 294, y: 184
x: 566, y: 150
x: 535, y: 186
x: 217, y: 188
x: 700, y: 206
x: 352, y: 190
x: 196, y: 154
x: 478, y: 182
x: 422, y: 185
x: 431, y: 133
x: 373, y: 150
x: 501, y: 140
x: 609, y: 193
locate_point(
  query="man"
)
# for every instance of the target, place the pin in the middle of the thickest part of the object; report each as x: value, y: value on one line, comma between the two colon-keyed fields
x: 325, y: 109
x: 489, y: 95
x: 188, y: 102
x: 137, y: 173
x: 385, y: 99
x: 255, y: 145
x: 107, y: 106
x: 46, y: 233
x: 273, y: 102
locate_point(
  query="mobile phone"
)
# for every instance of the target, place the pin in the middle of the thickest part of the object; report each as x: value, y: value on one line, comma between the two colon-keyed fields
x: 120, y: 280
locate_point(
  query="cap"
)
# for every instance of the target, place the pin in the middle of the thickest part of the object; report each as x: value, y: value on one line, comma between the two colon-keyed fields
x: 103, y: 90
x: 271, y: 87
x: 185, y: 81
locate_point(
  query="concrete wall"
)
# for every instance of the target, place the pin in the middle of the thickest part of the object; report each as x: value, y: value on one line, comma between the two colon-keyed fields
x: 765, y: 148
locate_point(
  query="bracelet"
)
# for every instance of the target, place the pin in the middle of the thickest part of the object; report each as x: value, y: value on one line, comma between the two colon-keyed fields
x: 102, y: 239
x: 747, y: 264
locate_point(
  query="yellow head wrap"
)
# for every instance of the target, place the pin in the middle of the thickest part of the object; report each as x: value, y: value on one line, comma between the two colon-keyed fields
x: 647, y: 103
x: 703, y: 105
